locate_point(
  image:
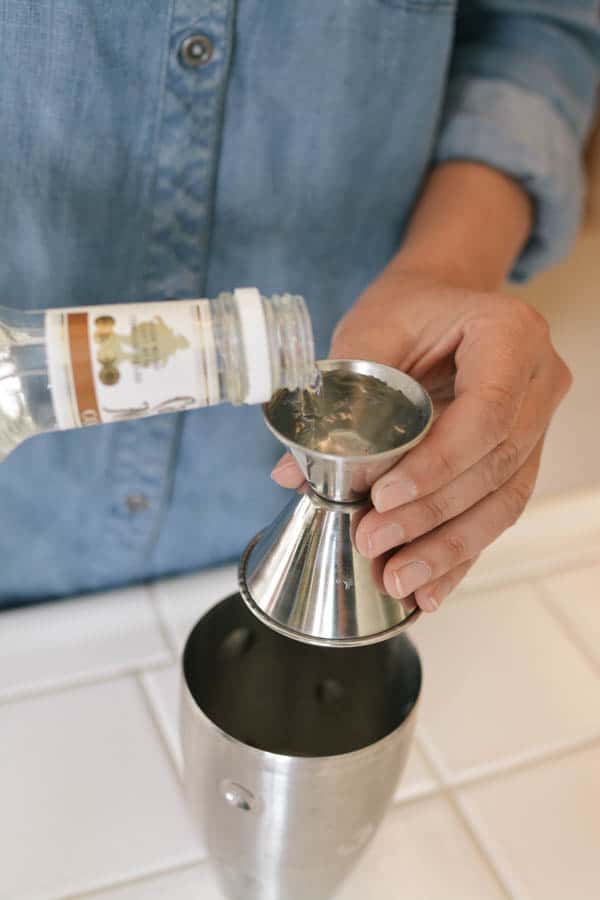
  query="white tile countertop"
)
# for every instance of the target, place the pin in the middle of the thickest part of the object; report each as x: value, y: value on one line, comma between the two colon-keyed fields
x: 501, y: 797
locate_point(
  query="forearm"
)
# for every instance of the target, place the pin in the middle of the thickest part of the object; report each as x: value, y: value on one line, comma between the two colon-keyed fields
x: 469, y: 224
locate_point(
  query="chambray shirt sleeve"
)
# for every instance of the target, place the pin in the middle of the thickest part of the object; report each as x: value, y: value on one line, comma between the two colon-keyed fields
x: 521, y: 97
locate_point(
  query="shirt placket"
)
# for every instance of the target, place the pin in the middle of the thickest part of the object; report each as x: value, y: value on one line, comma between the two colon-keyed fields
x: 189, y: 120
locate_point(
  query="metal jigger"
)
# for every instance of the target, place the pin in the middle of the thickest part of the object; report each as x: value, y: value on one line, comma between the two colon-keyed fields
x: 302, y: 576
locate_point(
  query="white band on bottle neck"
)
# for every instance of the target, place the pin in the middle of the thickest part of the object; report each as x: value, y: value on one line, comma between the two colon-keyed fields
x: 255, y: 339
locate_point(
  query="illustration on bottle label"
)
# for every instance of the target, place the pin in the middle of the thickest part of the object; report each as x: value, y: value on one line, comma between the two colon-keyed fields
x: 109, y: 363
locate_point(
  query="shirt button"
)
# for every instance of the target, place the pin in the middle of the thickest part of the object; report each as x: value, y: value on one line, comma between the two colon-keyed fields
x: 136, y: 503
x: 196, y: 50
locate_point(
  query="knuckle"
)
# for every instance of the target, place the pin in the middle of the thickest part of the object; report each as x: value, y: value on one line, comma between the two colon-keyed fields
x: 457, y: 549
x: 532, y: 320
x: 565, y: 375
x: 500, y: 410
x: 501, y: 464
x: 435, y: 510
x: 516, y: 499
x: 447, y: 465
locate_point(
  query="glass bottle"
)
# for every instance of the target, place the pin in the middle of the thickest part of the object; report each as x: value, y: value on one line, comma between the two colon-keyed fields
x: 70, y: 368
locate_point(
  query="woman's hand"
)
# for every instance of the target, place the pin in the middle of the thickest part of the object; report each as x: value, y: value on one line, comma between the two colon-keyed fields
x: 495, y: 379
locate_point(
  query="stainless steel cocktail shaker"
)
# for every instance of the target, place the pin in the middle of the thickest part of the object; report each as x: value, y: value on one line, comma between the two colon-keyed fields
x: 292, y: 751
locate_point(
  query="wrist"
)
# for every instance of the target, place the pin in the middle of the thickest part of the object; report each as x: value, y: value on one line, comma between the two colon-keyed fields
x: 451, y: 271
x: 468, y: 227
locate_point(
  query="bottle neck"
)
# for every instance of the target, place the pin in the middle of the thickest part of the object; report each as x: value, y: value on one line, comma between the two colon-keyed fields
x: 263, y: 344
x: 291, y: 344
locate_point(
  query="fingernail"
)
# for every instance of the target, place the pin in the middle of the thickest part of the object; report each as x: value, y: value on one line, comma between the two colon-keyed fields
x: 383, y: 538
x: 428, y: 603
x: 393, y: 493
x: 410, y: 577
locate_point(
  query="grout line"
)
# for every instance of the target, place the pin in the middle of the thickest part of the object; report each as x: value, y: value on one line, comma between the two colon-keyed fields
x: 451, y: 786
x: 127, y: 881
x: 488, y: 849
x: 496, y: 866
x: 496, y: 587
x: 490, y: 771
x: 547, y: 530
x: 533, y: 570
x: 434, y: 759
x: 167, y: 633
x: 567, y: 626
x: 161, y: 721
x: 418, y: 791
x: 498, y: 872
x: 21, y: 693
x: 156, y: 717
x: 524, y: 761
x: 414, y: 800
x: 592, y: 563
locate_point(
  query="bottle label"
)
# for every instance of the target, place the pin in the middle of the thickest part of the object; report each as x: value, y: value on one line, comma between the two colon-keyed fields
x: 109, y: 363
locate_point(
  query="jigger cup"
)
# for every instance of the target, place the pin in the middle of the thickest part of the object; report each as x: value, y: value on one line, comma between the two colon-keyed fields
x: 291, y: 752
x: 302, y: 575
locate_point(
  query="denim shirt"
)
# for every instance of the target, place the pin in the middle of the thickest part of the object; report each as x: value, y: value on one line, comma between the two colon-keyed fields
x: 284, y: 147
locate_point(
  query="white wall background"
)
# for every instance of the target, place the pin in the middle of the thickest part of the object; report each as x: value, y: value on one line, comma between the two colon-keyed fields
x: 569, y: 296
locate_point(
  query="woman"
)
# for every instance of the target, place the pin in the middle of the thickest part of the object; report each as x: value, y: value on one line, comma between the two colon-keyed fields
x: 411, y: 153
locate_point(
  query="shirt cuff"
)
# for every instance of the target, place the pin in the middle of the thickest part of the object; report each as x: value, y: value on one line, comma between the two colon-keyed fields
x: 521, y: 134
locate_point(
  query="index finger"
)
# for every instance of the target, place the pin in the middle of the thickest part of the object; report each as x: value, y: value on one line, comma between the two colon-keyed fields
x: 287, y: 473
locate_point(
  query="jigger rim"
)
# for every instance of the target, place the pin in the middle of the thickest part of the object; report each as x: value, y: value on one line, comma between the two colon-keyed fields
x: 306, y: 637
x: 377, y: 370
